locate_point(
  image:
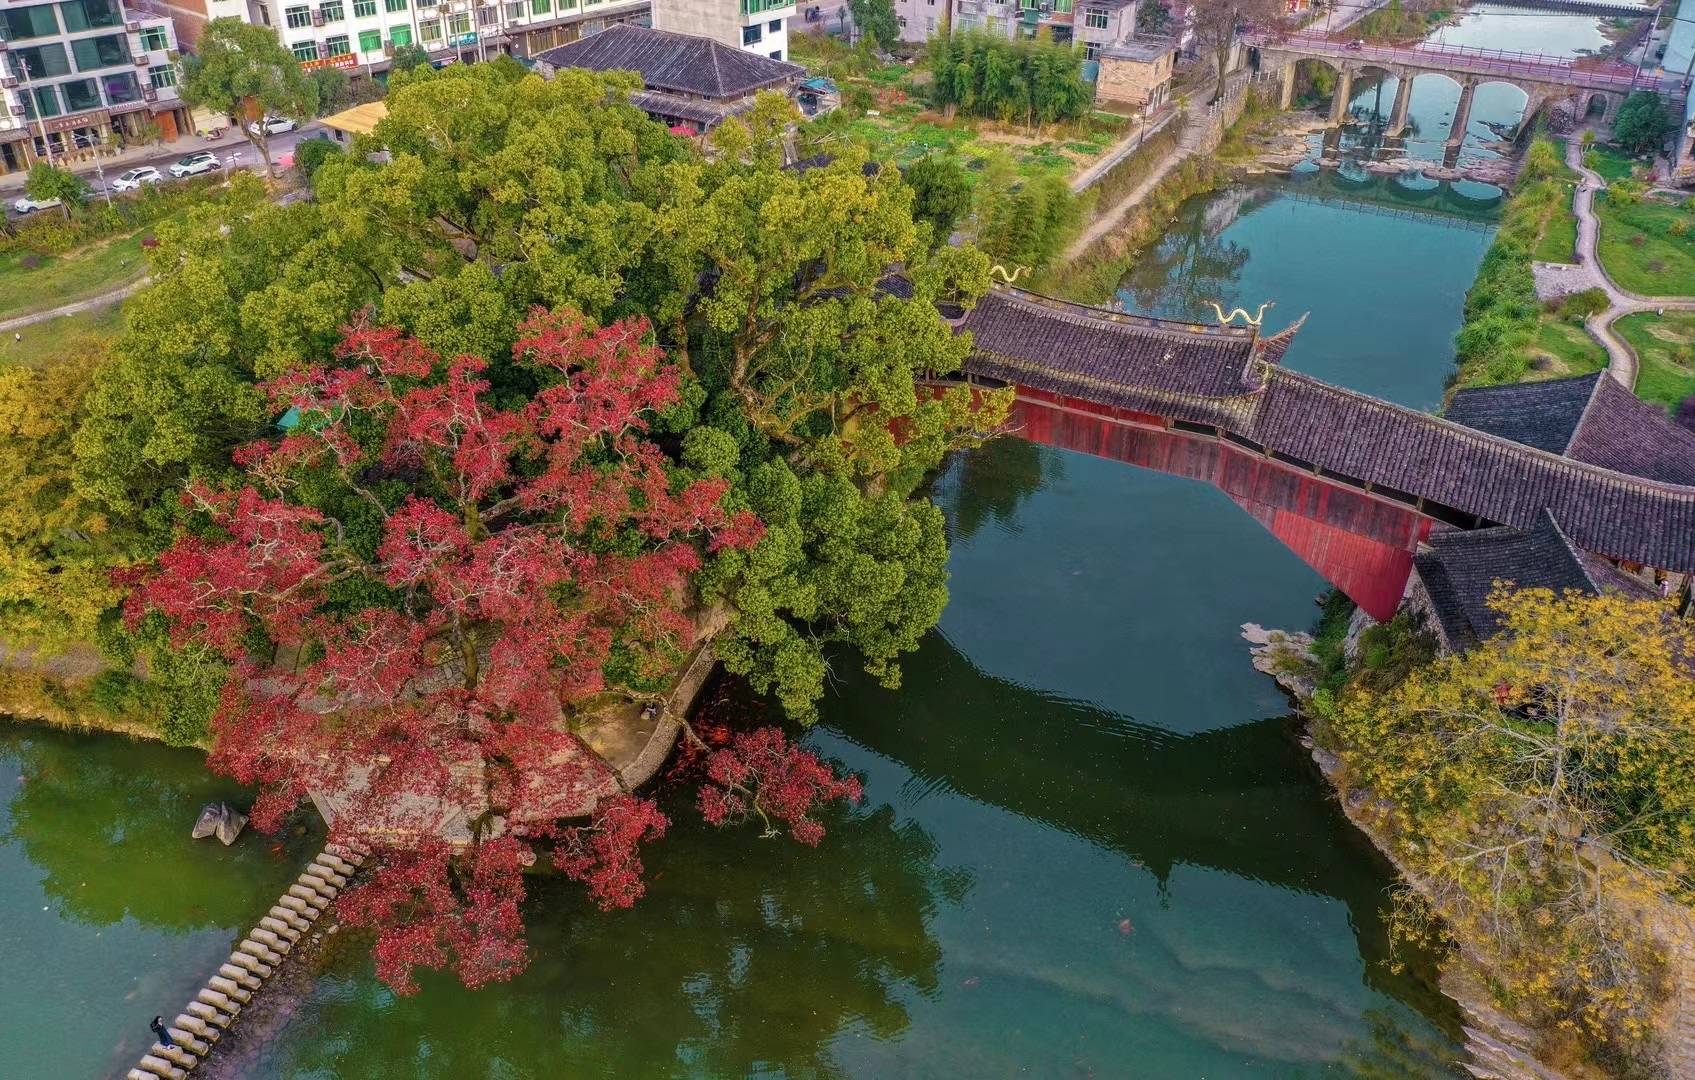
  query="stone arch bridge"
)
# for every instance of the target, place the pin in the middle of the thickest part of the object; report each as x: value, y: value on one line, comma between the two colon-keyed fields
x: 1352, y: 484
x: 1544, y: 79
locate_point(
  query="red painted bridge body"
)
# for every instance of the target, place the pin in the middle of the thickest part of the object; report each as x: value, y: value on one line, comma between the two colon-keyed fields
x: 1362, y: 544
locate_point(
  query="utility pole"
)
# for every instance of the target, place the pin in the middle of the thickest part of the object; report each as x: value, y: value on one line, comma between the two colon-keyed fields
x: 34, y: 106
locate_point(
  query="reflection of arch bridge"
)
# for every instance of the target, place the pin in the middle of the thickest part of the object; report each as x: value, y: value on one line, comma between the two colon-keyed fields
x: 1351, y: 483
x: 1543, y: 78
x: 1385, y: 209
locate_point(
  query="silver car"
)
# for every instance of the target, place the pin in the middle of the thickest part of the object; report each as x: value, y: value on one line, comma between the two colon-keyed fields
x: 194, y: 164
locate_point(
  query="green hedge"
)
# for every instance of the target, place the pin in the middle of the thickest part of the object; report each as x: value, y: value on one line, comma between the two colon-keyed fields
x: 51, y: 233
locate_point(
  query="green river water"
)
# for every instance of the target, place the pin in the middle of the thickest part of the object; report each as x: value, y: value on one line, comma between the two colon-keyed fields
x: 1090, y: 845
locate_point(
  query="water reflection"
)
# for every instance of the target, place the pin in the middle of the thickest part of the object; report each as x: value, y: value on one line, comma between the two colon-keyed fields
x: 746, y: 957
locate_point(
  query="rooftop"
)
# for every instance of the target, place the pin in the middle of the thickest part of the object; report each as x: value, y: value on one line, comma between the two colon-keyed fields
x: 1461, y: 568
x: 359, y: 120
x: 678, y: 63
x: 1145, y: 52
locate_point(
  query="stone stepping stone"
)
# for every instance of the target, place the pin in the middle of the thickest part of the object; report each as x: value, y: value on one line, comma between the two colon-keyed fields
x: 243, y: 976
x: 309, y: 897
x: 280, y: 928
x: 176, y: 1055
x: 251, y: 964
x: 158, y: 1066
x: 193, y: 1026
x: 208, y: 1013
x: 302, y: 910
x: 289, y: 916
x: 216, y: 998
x: 259, y: 951
x: 324, y: 873
x: 270, y: 940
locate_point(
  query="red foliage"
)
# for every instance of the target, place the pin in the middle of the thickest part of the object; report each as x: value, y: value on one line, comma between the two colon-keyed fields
x: 606, y: 854
x: 433, y: 909
x: 535, y: 538
x: 762, y: 773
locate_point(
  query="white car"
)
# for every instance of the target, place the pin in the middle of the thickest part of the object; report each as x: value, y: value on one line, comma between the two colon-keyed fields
x: 271, y: 125
x: 27, y: 205
x: 132, y: 180
x: 194, y: 164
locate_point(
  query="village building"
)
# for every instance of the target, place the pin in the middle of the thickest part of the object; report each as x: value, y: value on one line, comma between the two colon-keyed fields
x: 360, y: 36
x: 687, y: 81
x: 83, y: 76
x: 756, y: 26
x: 1136, y: 73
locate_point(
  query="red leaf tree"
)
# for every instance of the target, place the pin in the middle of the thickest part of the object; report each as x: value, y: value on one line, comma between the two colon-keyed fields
x: 418, y: 579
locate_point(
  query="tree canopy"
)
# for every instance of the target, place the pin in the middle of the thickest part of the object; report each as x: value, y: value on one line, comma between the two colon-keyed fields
x: 1025, y: 81
x: 1540, y: 789
x: 941, y: 194
x: 1642, y: 122
x: 875, y: 20
x: 46, y: 182
x: 243, y: 71
x: 562, y: 396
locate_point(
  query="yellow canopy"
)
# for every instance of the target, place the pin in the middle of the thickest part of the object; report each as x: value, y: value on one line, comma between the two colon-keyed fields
x: 359, y: 120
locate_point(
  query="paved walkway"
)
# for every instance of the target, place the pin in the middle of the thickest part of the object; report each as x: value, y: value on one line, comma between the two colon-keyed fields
x: 1126, y: 146
x: 1621, y: 358
x: 122, y: 292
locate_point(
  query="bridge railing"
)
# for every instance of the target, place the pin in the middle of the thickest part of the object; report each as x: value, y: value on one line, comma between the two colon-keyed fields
x: 1491, y: 61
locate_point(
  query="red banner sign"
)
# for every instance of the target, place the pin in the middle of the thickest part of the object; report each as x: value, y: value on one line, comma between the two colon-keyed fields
x: 345, y: 60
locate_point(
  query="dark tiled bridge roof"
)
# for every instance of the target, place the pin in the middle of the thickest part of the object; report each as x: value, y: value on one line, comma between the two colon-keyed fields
x: 1625, y: 491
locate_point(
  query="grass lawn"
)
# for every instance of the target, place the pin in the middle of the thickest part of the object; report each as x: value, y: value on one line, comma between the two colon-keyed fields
x: 61, y: 279
x: 1640, y: 252
x: 1558, y: 242
x: 1665, y: 344
x: 46, y: 340
x: 1610, y: 163
x: 1562, y: 348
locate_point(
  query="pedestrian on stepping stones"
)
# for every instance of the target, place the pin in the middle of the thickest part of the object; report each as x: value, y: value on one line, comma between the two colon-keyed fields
x: 158, y: 1026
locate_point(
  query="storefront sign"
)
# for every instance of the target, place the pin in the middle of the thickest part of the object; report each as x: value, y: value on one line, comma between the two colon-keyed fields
x: 463, y: 39
x: 93, y: 118
x: 345, y: 60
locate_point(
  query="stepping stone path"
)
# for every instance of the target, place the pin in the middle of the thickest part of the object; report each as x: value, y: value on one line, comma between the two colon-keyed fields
x: 215, y: 1008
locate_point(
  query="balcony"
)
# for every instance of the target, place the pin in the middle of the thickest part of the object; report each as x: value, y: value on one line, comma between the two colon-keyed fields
x: 766, y: 9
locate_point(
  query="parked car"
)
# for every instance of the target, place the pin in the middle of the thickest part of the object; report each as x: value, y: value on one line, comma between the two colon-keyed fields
x: 1357, y: 44
x: 194, y: 164
x: 132, y: 180
x: 27, y: 205
x: 271, y: 125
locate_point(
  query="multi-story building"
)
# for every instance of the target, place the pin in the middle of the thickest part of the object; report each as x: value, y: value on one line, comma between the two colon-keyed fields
x: 361, y: 35
x: 80, y: 74
x: 759, y: 26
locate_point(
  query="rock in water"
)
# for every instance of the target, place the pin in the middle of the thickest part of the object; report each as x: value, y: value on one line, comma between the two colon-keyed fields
x: 222, y: 820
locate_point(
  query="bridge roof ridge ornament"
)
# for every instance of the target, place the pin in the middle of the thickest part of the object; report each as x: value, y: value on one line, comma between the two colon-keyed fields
x: 1090, y: 314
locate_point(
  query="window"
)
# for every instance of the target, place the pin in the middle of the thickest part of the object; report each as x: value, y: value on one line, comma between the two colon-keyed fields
x: 81, y: 95
x: 364, y: 9
x: 30, y: 22
x: 1062, y: 6
x: 305, y: 50
x: 162, y: 75
x: 430, y: 31
x: 400, y: 35
x: 154, y: 39
x: 778, y: 55
x: 265, y: 14
x: 488, y: 16
x: 370, y: 41
x: 394, y: 5
x: 752, y: 35
x: 774, y: 25
x: 121, y: 88
x: 459, y: 24
x: 332, y: 11
x: 567, y: 5
x: 336, y: 45
x: 1091, y: 50
x: 101, y: 52
x: 514, y: 9
x: 297, y: 17
x: 91, y: 15
x: 42, y: 101
x: 540, y: 7
x: 41, y: 61
x: 929, y: 26
x: 1095, y: 19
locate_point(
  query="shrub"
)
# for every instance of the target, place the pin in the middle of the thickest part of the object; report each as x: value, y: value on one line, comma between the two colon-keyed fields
x: 310, y: 155
x: 1678, y: 227
x: 1579, y: 306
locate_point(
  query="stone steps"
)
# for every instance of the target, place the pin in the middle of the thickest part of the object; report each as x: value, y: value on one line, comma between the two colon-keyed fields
x: 217, y: 1005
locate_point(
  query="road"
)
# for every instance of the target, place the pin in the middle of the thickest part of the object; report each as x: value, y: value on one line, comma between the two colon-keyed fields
x: 245, y: 156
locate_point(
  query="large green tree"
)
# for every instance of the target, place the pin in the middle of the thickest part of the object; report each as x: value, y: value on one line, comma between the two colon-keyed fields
x: 501, y: 191
x: 1642, y: 122
x: 244, y: 72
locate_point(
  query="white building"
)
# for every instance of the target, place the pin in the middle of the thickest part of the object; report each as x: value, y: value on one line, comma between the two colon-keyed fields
x: 759, y: 26
x: 78, y: 74
x: 361, y: 35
